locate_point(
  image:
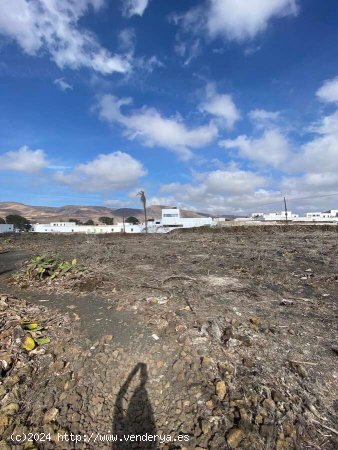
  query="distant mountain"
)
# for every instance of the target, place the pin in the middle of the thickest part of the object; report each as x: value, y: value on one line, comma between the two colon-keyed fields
x: 154, y: 212
x: 46, y: 214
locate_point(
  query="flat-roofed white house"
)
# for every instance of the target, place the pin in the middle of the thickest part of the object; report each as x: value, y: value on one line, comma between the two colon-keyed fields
x: 275, y: 216
x: 62, y: 224
x: 326, y: 216
x: 171, y: 219
x: 322, y: 216
x: 55, y: 227
x: 72, y: 227
x: 6, y: 228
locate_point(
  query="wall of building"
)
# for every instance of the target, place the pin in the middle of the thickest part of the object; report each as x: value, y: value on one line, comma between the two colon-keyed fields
x: 323, y: 215
x: 49, y: 228
x: 69, y: 227
x: 275, y: 216
x: 317, y: 219
x: 104, y: 229
x: 63, y: 224
x: 6, y: 228
x: 197, y: 222
x: 171, y: 219
x: 170, y: 213
x: 328, y: 216
x: 220, y: 219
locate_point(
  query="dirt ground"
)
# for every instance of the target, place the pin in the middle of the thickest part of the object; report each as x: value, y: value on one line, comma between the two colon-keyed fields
x: 208, y: 339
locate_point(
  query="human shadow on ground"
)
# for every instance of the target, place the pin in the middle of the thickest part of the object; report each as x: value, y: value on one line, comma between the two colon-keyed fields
x: 135, y: 418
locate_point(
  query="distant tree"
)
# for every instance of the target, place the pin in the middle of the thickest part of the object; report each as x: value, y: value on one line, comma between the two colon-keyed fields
x: 143, y: 199
x: 132, y: 220
x: 77, y: 221
x: 107, y: 220
x: 2, y: 220
x: 89, y: 222
x: 19, y: 222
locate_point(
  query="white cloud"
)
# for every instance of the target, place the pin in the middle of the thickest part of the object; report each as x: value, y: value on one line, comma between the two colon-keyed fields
x: 114, y: 203
x: 63, y: 85
x: 328, y: 125
x: 249, y: 51
x: 23, y: 160
x: 229, y: 181
x: 52, y: 26
x: 108, y: 172
x: 238, y: 20
x: 271, y: 149
x: 321, y: 153
x: 316, y: 166
x: 232, y: 181
x: 164, y: 201
x: 220, y: 106
x: 127, y: 46
x: 316, y: 183
x: 146, y: 65
x: 218, y: 51
x: 127, y: 38
x: 187, y: 49
x: 134, y: 7
x: 229, y: 190
x: 328, y: 92
x: 262, y: 118
x: 153, y: 129
x: 311, y: 191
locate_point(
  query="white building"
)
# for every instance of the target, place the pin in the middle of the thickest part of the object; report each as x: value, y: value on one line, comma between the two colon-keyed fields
x: 171, y: 219
x: 220, y: 220
x: 55, y: 227
x: 72, y: 227
x: 6, y: 228
x: 323, y: 216
x: 62, y: 224
x: 275, y: 216
x: 327, y: 216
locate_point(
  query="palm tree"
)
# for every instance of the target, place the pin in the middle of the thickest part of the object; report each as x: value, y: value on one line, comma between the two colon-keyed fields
x: 143, y: 199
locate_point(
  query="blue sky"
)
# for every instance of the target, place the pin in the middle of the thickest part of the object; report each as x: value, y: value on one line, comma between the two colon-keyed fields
x: 219, y: 105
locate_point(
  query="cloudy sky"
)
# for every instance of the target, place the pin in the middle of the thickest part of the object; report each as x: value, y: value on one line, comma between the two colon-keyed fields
x: 219, y: 105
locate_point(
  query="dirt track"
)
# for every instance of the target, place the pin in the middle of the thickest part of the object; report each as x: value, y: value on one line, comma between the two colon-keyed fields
x: 235, y: 332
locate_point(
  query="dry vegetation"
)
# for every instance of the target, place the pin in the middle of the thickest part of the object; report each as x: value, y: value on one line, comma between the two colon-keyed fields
x: 237, y: 328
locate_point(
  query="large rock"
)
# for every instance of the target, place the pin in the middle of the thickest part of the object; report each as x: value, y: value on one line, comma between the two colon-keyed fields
x: 235, y: 437
x: 220, y: 389
x: 11, y: 409
x: 50, y: 415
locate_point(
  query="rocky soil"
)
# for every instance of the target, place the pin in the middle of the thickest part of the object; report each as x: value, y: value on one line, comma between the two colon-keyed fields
x: 211, y: 340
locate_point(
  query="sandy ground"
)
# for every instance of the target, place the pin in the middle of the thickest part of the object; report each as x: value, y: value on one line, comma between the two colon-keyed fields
x: 226, y: 337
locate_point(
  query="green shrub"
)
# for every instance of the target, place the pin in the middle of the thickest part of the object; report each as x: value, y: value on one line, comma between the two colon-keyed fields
x: 49, y: 267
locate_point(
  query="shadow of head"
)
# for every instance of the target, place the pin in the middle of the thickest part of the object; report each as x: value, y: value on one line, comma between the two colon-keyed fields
x: 133, y: 413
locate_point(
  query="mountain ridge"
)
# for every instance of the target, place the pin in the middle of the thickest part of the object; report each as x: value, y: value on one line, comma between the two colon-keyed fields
x: 46, y: 214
